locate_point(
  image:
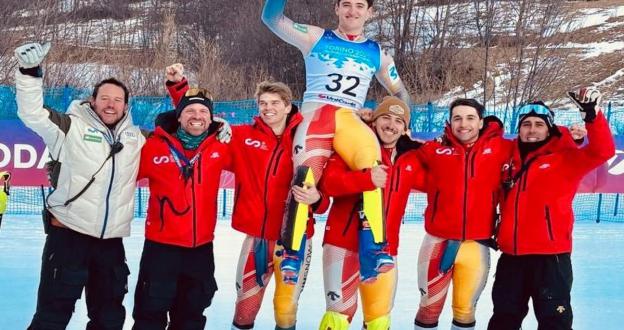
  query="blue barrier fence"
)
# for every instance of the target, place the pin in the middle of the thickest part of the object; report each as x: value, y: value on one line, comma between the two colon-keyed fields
x: 425, y: 118
x: 587, y: 207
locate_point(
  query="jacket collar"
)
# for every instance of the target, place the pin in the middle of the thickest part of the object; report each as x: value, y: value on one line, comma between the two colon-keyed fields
x: 405, y: 144
x: 83, y: 110
x: 492, y: 127
x: 293, y: 119
x: 167, y: 125
x: 556, y: 143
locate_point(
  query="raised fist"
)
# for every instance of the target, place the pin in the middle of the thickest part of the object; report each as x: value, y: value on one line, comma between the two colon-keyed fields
x: 31, y: 54
x: 175, y: 72
x: 587, y: 99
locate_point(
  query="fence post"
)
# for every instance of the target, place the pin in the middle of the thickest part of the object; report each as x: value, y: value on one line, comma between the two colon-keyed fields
x: 140, y: 201
x: 224, y: 203
x: 512, y: 127
x: 429, y: 115
x: 66, y: 97
x: 617, y: 202
x: 599, y: 207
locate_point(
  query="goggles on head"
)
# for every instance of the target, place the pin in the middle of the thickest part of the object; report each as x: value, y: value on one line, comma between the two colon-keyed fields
x: 537, y: 109
x: 198, y: 92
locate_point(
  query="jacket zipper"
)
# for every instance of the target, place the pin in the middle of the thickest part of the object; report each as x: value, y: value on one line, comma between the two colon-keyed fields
x: 351, y: 215
x: 515, y: 239
x: 266, y: 190
x: 194, y: 212
x: 279, y: 156
x: 521, y: 187
x: 394, y: 187
x: 550, y: 233
x: 237, y: 195
x: 110, y: 187
x: 398, y: 180
x: 466, y: 167
x: 472, y: 165
x: 199, y: 172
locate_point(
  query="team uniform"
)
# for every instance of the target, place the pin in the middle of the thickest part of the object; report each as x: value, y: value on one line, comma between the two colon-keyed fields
x: 341, y: 240
x: 176, y: 280
x: 462, y: 195
x: 262, y: 165
x: 338, y: 75
x: 535, y: 232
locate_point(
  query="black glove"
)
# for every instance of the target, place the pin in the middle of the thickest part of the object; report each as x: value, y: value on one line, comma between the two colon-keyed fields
x: 587, y: 99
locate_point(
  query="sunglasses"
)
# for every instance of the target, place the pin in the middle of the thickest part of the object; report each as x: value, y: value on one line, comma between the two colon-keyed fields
x: 200, y: 92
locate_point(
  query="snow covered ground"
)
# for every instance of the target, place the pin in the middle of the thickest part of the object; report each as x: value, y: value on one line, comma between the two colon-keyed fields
x: 598, y: 291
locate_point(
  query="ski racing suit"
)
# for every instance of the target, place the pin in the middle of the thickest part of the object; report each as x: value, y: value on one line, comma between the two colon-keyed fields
x: 338, y: 76
x: 259, y: 203
x: 463, y: 184
x: 341, y: 240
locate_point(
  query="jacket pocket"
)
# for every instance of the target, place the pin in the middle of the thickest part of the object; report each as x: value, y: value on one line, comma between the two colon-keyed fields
x: 69, y: 283
x: 548, y: 222
x: 277, y: 162
x: 435, y: 205
x: 354, y: 213
x: 397, y: 181
x: 120, y: 283
x: 237, y: 194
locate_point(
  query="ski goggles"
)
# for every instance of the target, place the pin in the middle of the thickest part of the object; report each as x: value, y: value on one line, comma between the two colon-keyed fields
x: 198, y: 92
x: 536, y: 109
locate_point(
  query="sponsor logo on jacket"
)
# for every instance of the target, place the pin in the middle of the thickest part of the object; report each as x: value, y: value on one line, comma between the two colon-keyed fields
x: 256, y: 144
x: 444, y: 151
x: 163, y: 159
x: 92, y: 135
x: 132, y: 136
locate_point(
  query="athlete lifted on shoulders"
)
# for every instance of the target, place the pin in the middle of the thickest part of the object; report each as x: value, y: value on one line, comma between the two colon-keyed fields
x: 340, y: 65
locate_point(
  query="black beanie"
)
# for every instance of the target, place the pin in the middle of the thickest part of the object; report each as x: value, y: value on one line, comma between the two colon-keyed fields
x: 187, y: 100
x: 548, y: 119
x: 552, y: 128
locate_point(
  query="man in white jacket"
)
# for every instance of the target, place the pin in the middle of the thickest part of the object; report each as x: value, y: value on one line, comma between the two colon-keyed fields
x: 95, y: 149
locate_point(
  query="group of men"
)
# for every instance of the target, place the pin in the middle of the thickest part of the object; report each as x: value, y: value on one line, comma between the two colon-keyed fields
x: 288, y: 164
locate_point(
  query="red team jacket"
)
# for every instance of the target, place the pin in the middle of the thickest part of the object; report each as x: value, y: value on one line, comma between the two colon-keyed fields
x: 463, y: 185
x: 263, y: 169
x: 181, y: 212
x: 346, y: 187
x: 537, y: 216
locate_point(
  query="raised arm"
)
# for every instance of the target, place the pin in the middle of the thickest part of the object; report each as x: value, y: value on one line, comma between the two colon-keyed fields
x: 601, y: 146
x: 302, y: 36
x: 176, y: 83
x: 48, y: 124
x: 388, y: 77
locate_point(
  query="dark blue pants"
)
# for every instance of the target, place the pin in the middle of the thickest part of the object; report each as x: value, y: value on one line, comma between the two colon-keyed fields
x: 177, y: 281
x: 72, y: 261
x: 546, y: 279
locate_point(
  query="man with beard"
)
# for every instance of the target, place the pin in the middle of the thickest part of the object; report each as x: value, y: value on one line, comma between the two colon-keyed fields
x: 535, y: 236
x: 95, y: 149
